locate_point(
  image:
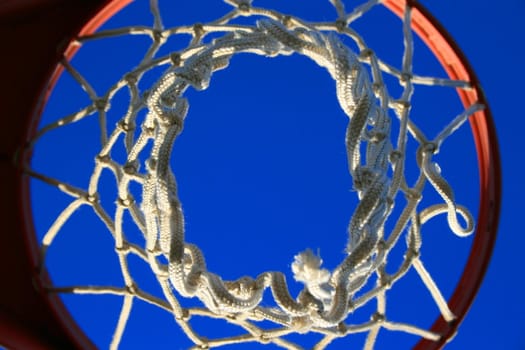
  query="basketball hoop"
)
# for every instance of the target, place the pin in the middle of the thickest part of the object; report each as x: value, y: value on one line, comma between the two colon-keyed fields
x: 329, y: 297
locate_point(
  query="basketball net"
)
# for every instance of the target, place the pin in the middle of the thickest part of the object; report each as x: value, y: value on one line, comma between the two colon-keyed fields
x: 329, y: 297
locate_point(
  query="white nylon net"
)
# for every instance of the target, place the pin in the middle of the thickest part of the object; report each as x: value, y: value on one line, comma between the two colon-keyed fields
x: 329, y: 298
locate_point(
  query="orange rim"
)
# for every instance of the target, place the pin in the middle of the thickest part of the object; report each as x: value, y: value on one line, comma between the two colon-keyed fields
x: 482, y: 124
x: 45, y: 323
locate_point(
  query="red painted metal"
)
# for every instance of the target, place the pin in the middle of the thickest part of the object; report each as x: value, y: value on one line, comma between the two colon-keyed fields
x: 30, y: 318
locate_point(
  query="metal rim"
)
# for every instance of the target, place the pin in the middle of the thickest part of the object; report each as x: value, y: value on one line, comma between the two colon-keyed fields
x: 95, y: 14
x: 482, y: 124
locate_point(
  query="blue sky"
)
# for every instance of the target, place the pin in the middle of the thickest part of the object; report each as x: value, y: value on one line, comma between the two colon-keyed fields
x: 488, y: 35
x: 262, y: 172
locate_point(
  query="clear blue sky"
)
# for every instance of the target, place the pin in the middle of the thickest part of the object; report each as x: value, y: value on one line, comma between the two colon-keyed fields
x: 262, y: 172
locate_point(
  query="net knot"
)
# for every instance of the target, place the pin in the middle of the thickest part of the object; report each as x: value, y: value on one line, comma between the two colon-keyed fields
x: 132, y: 289
x: 131, y: 167
x: 203, y: 346
x: 378, y: 318
x: 401, y: 106
x: 101, y: 104
x: 131, y: 79
x: 386, y: 280
x: 366, y: 53
x: 242, y: 5
x: 176, y: 59
x: 122, y: 248
x: 198, y: 29
x: 157, y: 35
x: 103, y: 159
x: 125, y: 126
x: 126, y: 202
x: 405, y: 77
x: 412, y: 195
x: 341, y: 24
x: 429, y: 148
x: 376, y: 136
x: 92, y: 198
x: 395, y: 156
x: 184, y: 315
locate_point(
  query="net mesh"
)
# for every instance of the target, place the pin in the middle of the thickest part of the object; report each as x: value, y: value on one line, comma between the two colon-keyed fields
x: 376, y: 161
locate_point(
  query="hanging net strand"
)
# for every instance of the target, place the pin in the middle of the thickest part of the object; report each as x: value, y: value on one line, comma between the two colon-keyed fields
x: 329, y: 298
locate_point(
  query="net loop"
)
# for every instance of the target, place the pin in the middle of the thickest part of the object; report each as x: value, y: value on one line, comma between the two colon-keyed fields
x: 433, y: 174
